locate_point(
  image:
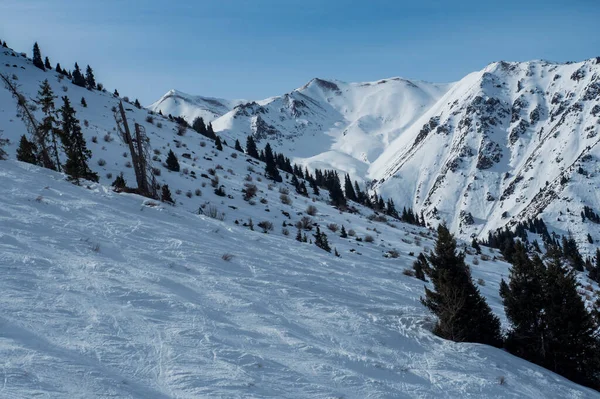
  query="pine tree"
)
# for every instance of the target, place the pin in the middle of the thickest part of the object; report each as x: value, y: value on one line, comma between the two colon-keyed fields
x: 595, y: 272
x: 78, y: 78
x: 48, y: 129
x: 119, y: 183
x: 172, y: 162
x: 348, y: 189
x: 463, y: 315
x: 419, y: 266
x: 336, y: 253
x: 299, y: 235
x: 238, y: 146
x: 218, y: 144
x: 90, y: 80
x: 27, y: 151
x: 343, y: 233
x: 37, y: 57
x: 199, y: 126
x: 476, y: 246
x: 270, y: 166
x: 74, y: 146
x: 524, y: 301
x: 166, y: 195
x: 210, y: 133
x: 137, y: 104
x: 571, y: 348
x: 251, y: 149
x: 321, y: 240
x: 116, y: 93
x: 83, y: 102
x: 58, y: 68
x: 47, y: 63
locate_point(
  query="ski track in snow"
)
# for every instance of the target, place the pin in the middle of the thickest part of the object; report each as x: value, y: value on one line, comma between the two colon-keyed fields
x: 156, y: 312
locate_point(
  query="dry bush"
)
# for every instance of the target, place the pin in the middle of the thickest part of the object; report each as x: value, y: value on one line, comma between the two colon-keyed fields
x: 408, y: 272
x: 311, y: 210
x: 266, y: 226
x: 351, y: 233
x: 369, y: 238
x: 285, y: 199
x: 227, y: 257
x: 333, y: 227
x: 213, y: 212
x: 249, y: 191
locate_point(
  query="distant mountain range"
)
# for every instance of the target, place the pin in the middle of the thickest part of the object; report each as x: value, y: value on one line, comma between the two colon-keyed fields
x: 504, y: 144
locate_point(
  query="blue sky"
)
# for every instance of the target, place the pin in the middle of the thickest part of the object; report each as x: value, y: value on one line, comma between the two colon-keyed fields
x: 260, y: 48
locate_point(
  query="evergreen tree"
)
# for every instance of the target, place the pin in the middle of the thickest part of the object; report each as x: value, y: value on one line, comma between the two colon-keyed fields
x: 119, y: 183
x: 595, y: 271
x: 571, y: 348
x: 218, y: 144
x: 199, y: 126
x: 336, y: 195
x: 251, y: 149
x: 270, y: 166
x: 463, y: 315
x: 78, y: 78
x: 27, y: 151
x: 74, y: 145
x: 47, y: 63
x: 336, y: 253
x: 348, y: 189
x: 37, y: 57
x: 299, y: 235
x: 48, y: 129
x: 58, y: 68
x: 343, y: 233
x: 419, y: 266
x: 210, y: 133
x: 166, y: 195
x: 476, y: 246
x: 238, y: 146
x: 571, y: 252
x: 137, y: 104
x: 524, y: 301
x: 90, y: 80
x: 116, y: 93
x: 172, y: 162
x: 83, y: 102
x: 321, y: 240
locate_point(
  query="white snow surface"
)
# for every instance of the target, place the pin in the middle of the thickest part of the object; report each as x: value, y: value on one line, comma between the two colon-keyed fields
x: 115, y: 296
x: 106, y: 295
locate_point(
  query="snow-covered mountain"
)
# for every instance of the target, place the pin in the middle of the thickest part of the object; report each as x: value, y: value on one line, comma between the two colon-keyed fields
x: 177, y: 103
x: 510, y: 142
x: 115, y: 295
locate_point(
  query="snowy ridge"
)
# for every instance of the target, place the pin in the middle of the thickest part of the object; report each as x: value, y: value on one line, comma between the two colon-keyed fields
x: 177, y: 103
x: 510, y: 142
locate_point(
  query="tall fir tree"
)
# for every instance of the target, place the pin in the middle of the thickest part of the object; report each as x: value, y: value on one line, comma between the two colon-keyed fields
x: 571, y: 347
x: 37, y: 57
x: 90, y: 80
x: 74, y: 146
x: 524, y: 301
x: 463, y: 315
x: 166, y: 195
x: 172, y: 162
x: 49, y: 127
x: 78, y: 78
x: 199, y: 126
x: 27, y: 151
x: 348, y: 189
x: 251, y: 149
x: 218, y: 144
x: 47, y: 63
x: 58, y: 68
x: 321, y: 240
x: 238, y: 146
x: 270, y: 165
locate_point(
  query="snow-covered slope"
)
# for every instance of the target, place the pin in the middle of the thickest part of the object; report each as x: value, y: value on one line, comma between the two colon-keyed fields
x: 108, y: 295
x: 113, y: 295
x: 181, y: 104
x: 510, y: 142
